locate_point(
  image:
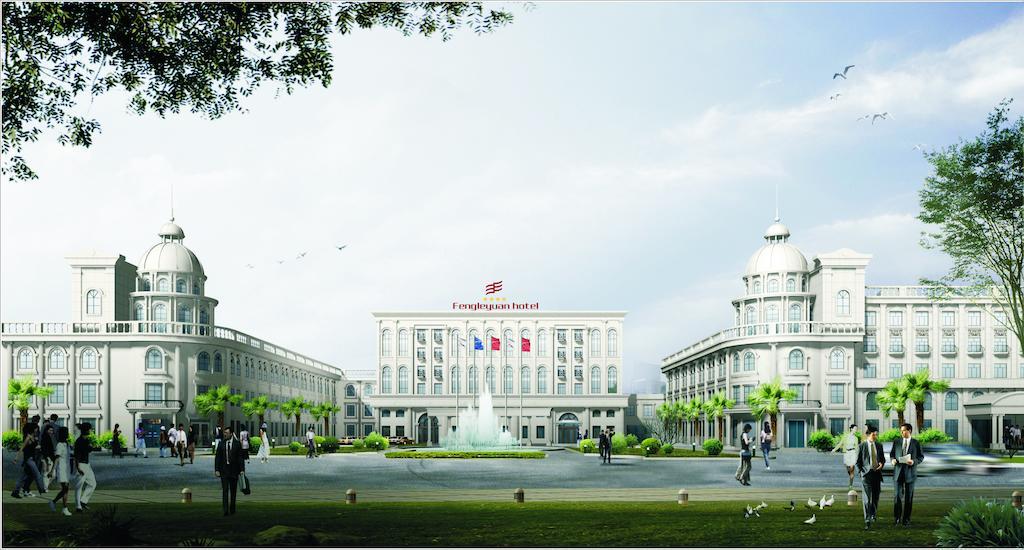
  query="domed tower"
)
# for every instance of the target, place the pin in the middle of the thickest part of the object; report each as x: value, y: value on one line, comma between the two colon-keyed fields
x: 775, y: 283
x: 170, y: 289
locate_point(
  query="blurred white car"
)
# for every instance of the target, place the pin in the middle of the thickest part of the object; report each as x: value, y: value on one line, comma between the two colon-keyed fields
x: 947, y: 457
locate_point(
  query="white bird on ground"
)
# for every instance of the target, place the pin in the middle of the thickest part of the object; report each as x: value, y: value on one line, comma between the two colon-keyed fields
x: 821, y: 503
x: 792, y: 506
x: 843, y: 74
x: 811, y: 503
x: 811, y: 521
x: 831, y: 500
x: 761, y: 506
x: 748, y: 512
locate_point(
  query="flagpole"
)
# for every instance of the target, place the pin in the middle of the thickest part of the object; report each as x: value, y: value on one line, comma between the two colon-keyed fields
x: 519, y: 329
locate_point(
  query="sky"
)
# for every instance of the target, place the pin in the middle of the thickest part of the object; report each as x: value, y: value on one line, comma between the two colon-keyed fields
x: 591, y: 156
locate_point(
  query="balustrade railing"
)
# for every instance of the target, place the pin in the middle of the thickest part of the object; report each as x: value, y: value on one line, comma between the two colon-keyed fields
x: 771, y: 329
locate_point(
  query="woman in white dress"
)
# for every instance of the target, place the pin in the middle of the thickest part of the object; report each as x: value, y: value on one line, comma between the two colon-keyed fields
x: 264, y: 451
x: 62, y: 470
x: 848, y: 443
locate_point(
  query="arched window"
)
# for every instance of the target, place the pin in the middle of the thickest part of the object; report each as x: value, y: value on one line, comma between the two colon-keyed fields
x: 613, y: 342
x: 843, y: 303
x: 385, y: 342
x: 794, y: 317
x: 163, y: 285
x: 218, y: 363
x: 350, y: 391
x: 736, y: 362
x: 524, y: 380
x: 748, y: 361
x: 180, y: 286
x: 454, y: 381
x: 489, y: 380
x: 146, y: 285
x: 928, y: 401
x: 184, y: 314
x: 89, y: 359
x: 790, y: 285
x: 195, y: 289
x: 872, y: 403
x: 140, y: 312
x: 595, y: 342
x: 57, y: 359
x: 508, y: 344
x: 613, y: 380
x: 92, y: 303
x: 472, y: 381
x: 542, y: 343
x: 367, y: 389
x: 454, y: 343
x: 837, y: 359
x: 952, y: 401
x: 403, y: 342
x: 771, y: 315
x: 773, y: 285
x: 507, y: 379
x: 154, y: 360
x: 204, y: 317
x: 757, y: 286
x: 385, y: 380
x: 24, y: 360
x: 403, y: 380
x: 542, y: 380
x: 595, y: 380
x: 750, y: 320
x: 796, y: 360
x: 159, y: 315
x: 203, y: 362
x: 523, y: 336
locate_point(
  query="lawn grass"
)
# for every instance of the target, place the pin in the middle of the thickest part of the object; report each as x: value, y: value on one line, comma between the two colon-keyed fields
x: 283, y: 450
x: 676, y: 453
x: 465, y: 454
x: 556, y: 524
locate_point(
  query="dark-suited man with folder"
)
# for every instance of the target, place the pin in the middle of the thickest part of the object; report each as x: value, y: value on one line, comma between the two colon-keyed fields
x: 870, y: 460
x: 906, y: 455
x: 228, y: 465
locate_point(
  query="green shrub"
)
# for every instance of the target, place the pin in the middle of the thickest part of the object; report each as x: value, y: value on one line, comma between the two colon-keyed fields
x: 376, y: 441
x: 667, y: 449
x: 889, y: 435
x: 618, y: 443
x: 932, y: 435
x: 12, y: 440
x: 294, y: 446
x: 318, y: 440
x: 650, y: 446
x: 359, y: 443
x: 106, y: 438
x: 713, y: 447
x: 254, y: 443
x: 823, y: 440
x: 632, y: 440
x: 980, y: 523
x: 588, y: 446
x: 331, y: 444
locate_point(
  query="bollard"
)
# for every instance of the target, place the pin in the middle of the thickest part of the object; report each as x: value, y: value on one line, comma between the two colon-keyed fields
x: 1016, y: 498
x: 683, y: 498
x: 851, y: 498
x: 186, y: 496
x: 519, y: 496
x: 350, y: 496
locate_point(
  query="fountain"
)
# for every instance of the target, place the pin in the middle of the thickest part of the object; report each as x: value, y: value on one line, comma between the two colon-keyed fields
x: 478, y: 429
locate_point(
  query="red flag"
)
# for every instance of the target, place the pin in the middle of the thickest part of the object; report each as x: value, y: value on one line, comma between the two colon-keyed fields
x: 526, y: 344
x: 495, y: 344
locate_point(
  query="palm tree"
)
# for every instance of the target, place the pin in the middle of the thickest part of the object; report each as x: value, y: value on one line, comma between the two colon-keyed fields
x: 294, y: 407
x: 894, y: 397
x: 679, y: 414
x: 216, y: 400
x: 766, y: 400
x: 259, y: 406
x: 714, y: 409
x: 324, y: 410
x: 20, y: 393
x: 666, y: 415
x: 693, y: 411
x: 920, y: 385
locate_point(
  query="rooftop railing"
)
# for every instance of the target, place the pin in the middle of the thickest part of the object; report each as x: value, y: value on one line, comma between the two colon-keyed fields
x: 933, y: 292
x: 769, y: 329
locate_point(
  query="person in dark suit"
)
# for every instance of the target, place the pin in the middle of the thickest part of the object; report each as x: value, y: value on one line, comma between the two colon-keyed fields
x: 870, y: 460
x: 228, y: 465
x: 905, y: 473
x: 602, y: 445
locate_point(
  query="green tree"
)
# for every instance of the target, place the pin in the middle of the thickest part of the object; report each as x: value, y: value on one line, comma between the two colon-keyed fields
x: 174, y: 56
x: 20, y: 395
x: 324, y: 411
x: 714, y: 409
x: 919, y: 385
x: 216, y: 400
x: 975, y: 201
x: 894, y: 397
x: 259, y: 406
x: 294, y: 407
x: 693, y: 410
x: 766, y: 400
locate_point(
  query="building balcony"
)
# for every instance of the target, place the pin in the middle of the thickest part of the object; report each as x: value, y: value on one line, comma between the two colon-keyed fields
x: 931, y: 292
x: 923, y: 350
x: 1001, y: 350
x: 870, y: 350
x: 975, y: 350
x: 949, y: 350
x: 561, y: 373
x: 896, y: 350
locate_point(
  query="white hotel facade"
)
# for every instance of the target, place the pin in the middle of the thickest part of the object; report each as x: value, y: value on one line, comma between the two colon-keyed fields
x: 836, y: 342
x: 567, y: 383
x: 143, y: 342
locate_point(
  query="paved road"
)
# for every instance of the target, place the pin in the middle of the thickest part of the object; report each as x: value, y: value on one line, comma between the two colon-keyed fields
x: 560, y: 470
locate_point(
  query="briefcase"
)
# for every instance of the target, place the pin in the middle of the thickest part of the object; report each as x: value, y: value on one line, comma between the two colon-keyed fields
x: 243, y: 483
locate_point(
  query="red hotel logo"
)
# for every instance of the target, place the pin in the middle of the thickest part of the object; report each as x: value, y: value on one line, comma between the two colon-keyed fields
x: 492, y: 288
x: 495, y: 303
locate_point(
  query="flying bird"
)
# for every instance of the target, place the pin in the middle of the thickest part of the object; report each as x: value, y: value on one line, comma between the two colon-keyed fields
x: 834, y: 97
x: 865, y: 117
x: 883, y: 116
x: 843, y: 74
x: 300, y: 256
x: 792, y: 506
x: 919, y: 147
x: 811, y: 521
x: 279, y: 262
x: 250, y: 266
x: 342, y: 247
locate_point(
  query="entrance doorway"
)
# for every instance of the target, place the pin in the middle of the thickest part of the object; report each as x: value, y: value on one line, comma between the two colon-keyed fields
x: 568, y: 428
x: 981, y: 433
x: 428, y: 428
x: 795, y: 433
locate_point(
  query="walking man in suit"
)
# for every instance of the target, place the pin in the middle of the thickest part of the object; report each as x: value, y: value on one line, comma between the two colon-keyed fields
x: 870, y: 460
x: 906, y: 455
x: 228, y: 465
x: 604, y: 447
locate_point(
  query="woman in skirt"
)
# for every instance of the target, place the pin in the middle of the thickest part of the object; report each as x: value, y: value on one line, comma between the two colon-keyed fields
x: 848, y: 442
x: 62, y: 470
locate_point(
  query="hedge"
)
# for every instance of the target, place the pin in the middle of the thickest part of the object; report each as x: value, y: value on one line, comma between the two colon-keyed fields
x: 618, y: 443
x: 822, y: 440
x: 632, y: 440
x: 464, y: 454
x: 588, y: 446
x: 650, y: 446
x: 713, y: 447
x: 376, y: 441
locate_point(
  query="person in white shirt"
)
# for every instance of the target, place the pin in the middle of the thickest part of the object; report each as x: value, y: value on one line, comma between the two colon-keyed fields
x: 181, y: 442
x: 243, y: 438
x: 311, y: 443
x: 172, y: 438
x: 848, y: 443
x: 766, y: 443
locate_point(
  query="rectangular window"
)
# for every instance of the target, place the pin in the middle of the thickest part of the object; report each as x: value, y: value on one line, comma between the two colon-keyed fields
x: 385, y: 431
x: 437, y: 388
x: 57, y: 397
x: 948, y: 344
x: 399, y: 431
x: 921, y: 318
x: 927, y: 424
x: 736, y: 393
x: 747, y: 390
x: 525, y: 432
x: 595, y: 414
x: 837, y: 425
x: 870, y: 370
x: 1000, y: 318
x: 895, y: 370
x: 974, y: 344
x: 367, y: 410
x: 385, y: 413
x: 999, y: 344
x: 799, y: 389
x: 400, y: 413
x: 870, y: 318
x: 974, y: 370
x: 896, y: 318
x: 421, y: 388
x: 540, y: 432
x: 350, y: 430
x: 974, y: 318
x: 350, y: 411
x: 999, y: 370
x: 367, y: 429
x: 921, y: 344
x: 836, y: 395
x: 870, y: 343
x: 895, y: 343
x: 577, y: 388
x: 561, y: 388
x: 952, y: 428
x: 88, y: 394
x: 949, y: 318
x: 648, y: 410
x: 609, y: 413
x: 154, y: 392
x: 920, y: 367
x: 948, y: 370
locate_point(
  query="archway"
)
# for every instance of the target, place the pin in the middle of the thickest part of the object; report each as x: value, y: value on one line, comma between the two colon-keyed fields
x: 568, y: 428
x: 428, y: 430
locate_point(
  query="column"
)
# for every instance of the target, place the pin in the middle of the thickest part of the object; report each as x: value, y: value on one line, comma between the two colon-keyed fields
x: 780, y: 437
x: 107, y: 390
x: 997, y: 431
